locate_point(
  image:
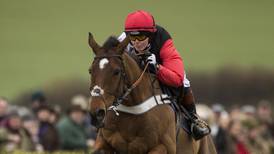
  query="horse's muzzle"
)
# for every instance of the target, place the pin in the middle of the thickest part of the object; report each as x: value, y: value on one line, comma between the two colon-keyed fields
x: 97, y: 120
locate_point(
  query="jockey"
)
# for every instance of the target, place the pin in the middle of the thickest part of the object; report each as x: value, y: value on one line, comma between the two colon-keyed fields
x: 164, y: 60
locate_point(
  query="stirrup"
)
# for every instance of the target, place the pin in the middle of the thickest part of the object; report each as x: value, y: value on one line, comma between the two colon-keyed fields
x: 199, y: 128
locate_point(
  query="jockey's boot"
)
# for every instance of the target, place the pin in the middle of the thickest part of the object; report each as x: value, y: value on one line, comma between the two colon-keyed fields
x: 199, y: 128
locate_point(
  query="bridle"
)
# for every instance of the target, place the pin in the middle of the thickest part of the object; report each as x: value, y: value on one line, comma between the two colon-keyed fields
x: 127, y: 88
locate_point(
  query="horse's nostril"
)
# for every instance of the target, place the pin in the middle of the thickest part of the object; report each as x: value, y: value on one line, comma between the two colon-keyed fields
x: 97, y: 91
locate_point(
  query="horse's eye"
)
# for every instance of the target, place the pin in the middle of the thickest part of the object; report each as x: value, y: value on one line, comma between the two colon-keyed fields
x: 116, y: 72
x: 89, y: 71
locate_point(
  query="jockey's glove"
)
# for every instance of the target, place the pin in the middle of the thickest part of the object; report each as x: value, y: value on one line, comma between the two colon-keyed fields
x: 151, y: 59
x: 152, y: 63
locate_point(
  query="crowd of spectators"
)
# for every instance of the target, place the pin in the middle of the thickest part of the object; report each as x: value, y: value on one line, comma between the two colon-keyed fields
x: 43, y: 127
x: 245, y: 129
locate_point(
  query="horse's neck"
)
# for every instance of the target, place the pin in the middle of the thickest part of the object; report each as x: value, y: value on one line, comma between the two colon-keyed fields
x: 144, y: 89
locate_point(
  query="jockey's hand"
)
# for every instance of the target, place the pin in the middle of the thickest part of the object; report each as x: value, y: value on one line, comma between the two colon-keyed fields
x: 151, y: 59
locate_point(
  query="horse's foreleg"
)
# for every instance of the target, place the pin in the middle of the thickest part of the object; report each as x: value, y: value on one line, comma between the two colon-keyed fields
x: 116, y: 141
x: 101, y: 146
x: 104, y: 150
x: 99, y: 142
x: 137, y: 146
x: 160, y: 149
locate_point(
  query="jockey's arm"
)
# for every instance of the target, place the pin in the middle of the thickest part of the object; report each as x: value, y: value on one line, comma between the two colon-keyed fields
x: 171, y: 71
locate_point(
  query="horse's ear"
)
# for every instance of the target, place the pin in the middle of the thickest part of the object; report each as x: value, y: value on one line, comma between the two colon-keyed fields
x: 92, y: 43
x: 121, y: 47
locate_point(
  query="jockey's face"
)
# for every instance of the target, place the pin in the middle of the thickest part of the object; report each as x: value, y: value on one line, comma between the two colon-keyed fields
x: 140, y: 46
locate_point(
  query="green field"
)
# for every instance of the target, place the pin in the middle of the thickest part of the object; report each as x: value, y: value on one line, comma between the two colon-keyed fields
x: 42, y: 41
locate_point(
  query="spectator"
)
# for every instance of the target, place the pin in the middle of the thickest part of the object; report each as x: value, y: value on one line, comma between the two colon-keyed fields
x: 37, y: 99
x: 266, y: 124
x: 256, y: 142
x: 221, y: 137
x: 264, y: 112
x: 13, y: 136
x: 248, y: 110
x: 73, y: 124
x: 239, y: 137
x: 54, y: 116
x: 47, y: 133
x: 3, y: 110
x: 235, y: 113
x: 82, y: 101
x: 31, y: 124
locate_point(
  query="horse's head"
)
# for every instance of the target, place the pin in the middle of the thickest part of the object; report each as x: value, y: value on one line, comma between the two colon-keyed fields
x: 107, y: 76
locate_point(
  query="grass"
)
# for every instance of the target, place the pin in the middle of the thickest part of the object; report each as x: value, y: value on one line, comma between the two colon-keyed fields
x: 57, y: 152
x: 41, y: 41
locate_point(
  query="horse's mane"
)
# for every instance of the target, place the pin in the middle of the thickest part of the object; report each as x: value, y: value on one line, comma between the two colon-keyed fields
x: 111, y: 42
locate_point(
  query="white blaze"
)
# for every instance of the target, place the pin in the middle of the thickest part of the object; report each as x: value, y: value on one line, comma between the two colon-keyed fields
x: 96, y: 91
x: 103, y: 62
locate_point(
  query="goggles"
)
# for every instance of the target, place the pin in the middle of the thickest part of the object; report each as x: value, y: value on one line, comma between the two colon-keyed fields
x: 137, y: 37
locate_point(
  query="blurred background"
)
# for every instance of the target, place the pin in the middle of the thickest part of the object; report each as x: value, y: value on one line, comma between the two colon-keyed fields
x: 227, y: 47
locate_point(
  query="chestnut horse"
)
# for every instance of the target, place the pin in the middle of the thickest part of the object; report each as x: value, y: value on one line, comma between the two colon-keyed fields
x: 130, y: 110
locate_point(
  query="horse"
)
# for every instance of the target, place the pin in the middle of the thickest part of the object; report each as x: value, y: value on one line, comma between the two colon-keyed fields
x: 129, y: 109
